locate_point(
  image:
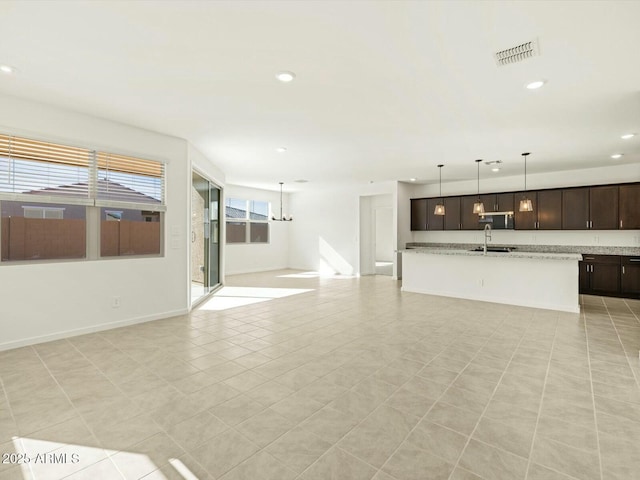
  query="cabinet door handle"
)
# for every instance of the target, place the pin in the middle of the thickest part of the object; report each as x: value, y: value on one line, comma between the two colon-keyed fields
x: 620, y: 223
x: 634, y: 259
x: 623, y: 269
x: 588, y: 258
x: 587, y: 223
x: 587, y: 268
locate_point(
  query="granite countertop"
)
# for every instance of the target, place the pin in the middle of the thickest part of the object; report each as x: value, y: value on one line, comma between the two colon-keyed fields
x: 512, y: 254
x: 564, y: 249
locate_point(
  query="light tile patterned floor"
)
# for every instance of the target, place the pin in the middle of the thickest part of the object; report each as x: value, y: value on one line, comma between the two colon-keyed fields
x: 350, y: 381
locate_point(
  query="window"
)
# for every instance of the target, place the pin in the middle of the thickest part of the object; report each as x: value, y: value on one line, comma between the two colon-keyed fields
x: 135, y: 232
x: 247, y: 221
x: 31, y: 231
x: 47, y: 191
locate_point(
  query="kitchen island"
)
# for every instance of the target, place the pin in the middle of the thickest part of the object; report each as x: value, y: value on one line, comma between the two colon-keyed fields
x: 530, y: 279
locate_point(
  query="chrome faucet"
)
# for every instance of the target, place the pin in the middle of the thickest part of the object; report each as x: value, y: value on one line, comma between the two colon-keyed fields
x: 487, y: 236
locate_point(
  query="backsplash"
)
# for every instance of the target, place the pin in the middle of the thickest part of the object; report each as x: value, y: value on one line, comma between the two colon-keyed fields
x: 609, y: 238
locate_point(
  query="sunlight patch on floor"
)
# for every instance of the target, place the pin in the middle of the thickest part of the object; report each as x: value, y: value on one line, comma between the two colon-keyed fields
x: 48, y: 459
x: 232, y: 297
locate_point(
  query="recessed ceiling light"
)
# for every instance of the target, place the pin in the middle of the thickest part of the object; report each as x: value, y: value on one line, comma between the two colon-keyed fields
x: 535, y: 85
x: 8, y: 69
x: 627, y: 136
x: 281, y: 149
x: 616, y: 155
x: 412, y: 179
x: 496, y: 169
x: 285, y: 76
x: 301, y: 181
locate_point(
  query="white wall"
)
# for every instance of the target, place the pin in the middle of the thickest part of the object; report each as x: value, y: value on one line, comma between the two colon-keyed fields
x: 326, y: 233
x: 51, y: 300
x: 593, y: 176
x: 245, y: 258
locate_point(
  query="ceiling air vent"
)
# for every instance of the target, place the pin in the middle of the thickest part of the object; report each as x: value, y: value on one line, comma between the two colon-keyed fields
x: 518, y: 53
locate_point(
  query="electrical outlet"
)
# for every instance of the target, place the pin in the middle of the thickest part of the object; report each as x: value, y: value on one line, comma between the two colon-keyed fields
x: 115, y: 302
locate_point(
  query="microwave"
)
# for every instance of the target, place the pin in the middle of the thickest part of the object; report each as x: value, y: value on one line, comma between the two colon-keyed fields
x: 497, y: 220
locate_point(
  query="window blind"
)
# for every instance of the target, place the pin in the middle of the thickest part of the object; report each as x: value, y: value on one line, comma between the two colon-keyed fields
x: 129, y: 182
x: 58, y: 173
x: 50, y: 171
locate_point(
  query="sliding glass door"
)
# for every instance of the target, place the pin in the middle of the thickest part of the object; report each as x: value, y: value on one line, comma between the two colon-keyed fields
x: 205, y: 237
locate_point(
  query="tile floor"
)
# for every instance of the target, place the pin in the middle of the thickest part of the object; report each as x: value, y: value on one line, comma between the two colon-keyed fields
x: 350, y: 381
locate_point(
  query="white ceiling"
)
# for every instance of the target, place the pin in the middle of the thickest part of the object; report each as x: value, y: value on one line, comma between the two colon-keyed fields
x: 384, y: 90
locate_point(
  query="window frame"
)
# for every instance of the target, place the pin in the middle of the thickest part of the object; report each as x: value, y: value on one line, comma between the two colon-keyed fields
x: 247, y: 220
x: 93, y: 204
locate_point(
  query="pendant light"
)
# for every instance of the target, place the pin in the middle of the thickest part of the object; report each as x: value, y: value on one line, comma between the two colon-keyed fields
x: 525, y: 202
x: 282, y: 217
x: 439, y: 210
x: 478, y: 207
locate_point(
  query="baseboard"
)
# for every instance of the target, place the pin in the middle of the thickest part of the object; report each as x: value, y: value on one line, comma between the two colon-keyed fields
x: 90, y: 329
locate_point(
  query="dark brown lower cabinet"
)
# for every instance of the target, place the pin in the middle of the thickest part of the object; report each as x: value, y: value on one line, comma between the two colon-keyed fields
x: 630, y: 279
x: 600, y: 274
x: 610, y: 275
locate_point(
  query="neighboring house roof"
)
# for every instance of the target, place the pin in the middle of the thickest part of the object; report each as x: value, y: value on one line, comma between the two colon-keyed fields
x: 240, y: 214
x: 108, y: 188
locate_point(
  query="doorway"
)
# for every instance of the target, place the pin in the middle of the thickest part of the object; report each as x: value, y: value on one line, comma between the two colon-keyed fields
x: 205, y: 237
x: 383, y: 240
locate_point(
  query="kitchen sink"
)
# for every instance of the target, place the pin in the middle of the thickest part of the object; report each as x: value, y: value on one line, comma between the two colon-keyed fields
x: 494, y: 249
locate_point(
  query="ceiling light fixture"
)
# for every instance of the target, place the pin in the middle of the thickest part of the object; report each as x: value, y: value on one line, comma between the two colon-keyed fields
x: 412, y: 179
x: 616, y: 156
x: 535, y: 85
x: 282, y: 217
x: 525, y: 202
x: 627, y: 136
x: 281, y: 149
x: 478, y: 207
x: 8, y: 69
x: 496, y: 169
x: 439, y: 210
x: 285, y: 76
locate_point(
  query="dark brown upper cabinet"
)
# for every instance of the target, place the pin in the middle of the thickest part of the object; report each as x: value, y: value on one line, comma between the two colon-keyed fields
x: 549, y: 210
x: 575, y: 209
x: 469, y: 219
x: 418, y: 214
x: 504, y: 202
x: 452, y: 213
x: 434, y: 222
x: 489, y: 202
x: 525, y: 220
x: 603, y: 207
x: 629, y: 207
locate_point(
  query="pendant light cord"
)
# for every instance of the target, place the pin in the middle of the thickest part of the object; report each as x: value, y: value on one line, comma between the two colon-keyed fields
x: 525, y: 155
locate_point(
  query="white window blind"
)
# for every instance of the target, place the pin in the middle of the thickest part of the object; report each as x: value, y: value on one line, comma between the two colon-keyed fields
x: 50, y: 171
x: 58, y: 173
